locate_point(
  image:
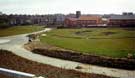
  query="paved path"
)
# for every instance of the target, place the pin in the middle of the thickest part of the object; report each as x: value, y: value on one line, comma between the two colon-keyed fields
x: 16, y: 46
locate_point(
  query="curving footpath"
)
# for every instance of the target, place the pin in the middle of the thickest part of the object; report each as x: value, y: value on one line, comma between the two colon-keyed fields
x: 15, y: 44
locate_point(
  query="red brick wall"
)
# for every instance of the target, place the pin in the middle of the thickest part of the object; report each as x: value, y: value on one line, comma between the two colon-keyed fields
x: 75, y: 23
x: 121, y: 22
x: 70, y: 23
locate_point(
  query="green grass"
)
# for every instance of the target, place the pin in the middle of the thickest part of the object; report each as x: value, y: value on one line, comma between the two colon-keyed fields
x: 19, y: 30
x: 94, y: 41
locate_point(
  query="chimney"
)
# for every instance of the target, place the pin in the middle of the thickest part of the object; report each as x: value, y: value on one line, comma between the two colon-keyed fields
x: 78, y: 14
x: 125, y: 13
x: 128, y: 13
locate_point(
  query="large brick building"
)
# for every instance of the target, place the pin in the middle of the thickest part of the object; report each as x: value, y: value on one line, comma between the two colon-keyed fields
x: 83, y: 20
x: 122, y: 20
x: 90, y: 20
x: 125, y: 20
x: 72, y: 22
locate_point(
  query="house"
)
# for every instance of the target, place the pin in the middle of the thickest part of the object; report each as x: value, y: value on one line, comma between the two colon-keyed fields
x: 59, y: 19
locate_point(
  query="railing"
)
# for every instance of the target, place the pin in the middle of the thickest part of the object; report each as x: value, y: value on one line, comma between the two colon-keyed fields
x: 17, y: 74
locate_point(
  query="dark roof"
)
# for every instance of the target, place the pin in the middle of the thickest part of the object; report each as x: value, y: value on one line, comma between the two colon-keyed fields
x: 122, y: 17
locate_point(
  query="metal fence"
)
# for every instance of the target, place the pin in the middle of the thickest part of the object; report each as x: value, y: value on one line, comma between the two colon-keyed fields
x: 17, y: 74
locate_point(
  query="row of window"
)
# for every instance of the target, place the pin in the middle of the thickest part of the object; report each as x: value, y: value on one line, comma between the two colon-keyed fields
x: 88, y: 22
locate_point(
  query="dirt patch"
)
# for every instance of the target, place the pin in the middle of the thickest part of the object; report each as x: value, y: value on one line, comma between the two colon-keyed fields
x: 4, y: 76
x: 81, y: 32
x: 121, y: 63
x: 109, y: 33
x: 11, y: 61
x: 129, y: 29
x: 37, y: 44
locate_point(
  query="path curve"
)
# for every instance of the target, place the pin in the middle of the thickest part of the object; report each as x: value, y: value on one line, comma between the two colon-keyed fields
x: 16, y: 46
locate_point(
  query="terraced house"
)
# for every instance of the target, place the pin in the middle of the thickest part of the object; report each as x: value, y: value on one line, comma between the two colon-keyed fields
x: 56, y: 19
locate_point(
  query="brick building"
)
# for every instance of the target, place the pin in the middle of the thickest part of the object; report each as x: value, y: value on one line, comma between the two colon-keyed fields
x: 83, y: 20
x: 72, y: 22
x: 91, y: 20
x: 122, y: 20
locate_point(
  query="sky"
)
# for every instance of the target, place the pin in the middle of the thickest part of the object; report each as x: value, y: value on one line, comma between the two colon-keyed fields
x: 66, y: 6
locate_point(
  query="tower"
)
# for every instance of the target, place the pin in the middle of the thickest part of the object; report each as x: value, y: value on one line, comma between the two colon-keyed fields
x: 78, y: 14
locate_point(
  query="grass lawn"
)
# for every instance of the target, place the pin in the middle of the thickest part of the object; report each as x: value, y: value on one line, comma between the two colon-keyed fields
x: 112, y: 42
x: 19, y: 30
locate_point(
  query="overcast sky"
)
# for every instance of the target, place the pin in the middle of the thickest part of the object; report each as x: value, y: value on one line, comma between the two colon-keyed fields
x: 66, y: 6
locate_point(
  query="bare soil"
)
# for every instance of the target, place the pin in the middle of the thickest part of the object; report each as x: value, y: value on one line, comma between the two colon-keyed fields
x: 4, y: 76
x: 109, y: 33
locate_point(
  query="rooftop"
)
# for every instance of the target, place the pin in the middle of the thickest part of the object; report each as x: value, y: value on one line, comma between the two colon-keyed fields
x: 85, y: 17
x: 122, y: 17
x: 89, y: 17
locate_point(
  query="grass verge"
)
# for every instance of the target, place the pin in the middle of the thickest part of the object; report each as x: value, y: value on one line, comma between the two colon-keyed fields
x: 19, y: 30
x: 112, y: 42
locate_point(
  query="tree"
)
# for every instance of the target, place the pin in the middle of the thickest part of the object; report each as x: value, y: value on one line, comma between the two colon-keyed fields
x: 4, y: 21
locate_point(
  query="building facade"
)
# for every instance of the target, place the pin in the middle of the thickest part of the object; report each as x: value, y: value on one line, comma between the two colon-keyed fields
x: 122, y: 20
x: 83, y: 20
x: 56, y: 19
x: 86, y: 21
x: 71, y: 22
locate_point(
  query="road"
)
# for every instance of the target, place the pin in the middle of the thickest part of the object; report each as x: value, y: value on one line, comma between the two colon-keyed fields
x: 15, y: 44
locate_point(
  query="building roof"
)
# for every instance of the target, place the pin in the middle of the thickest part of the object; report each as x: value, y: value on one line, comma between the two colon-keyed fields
x: 122, y: 17
x: 85, y: 17
x: 89, y: 17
